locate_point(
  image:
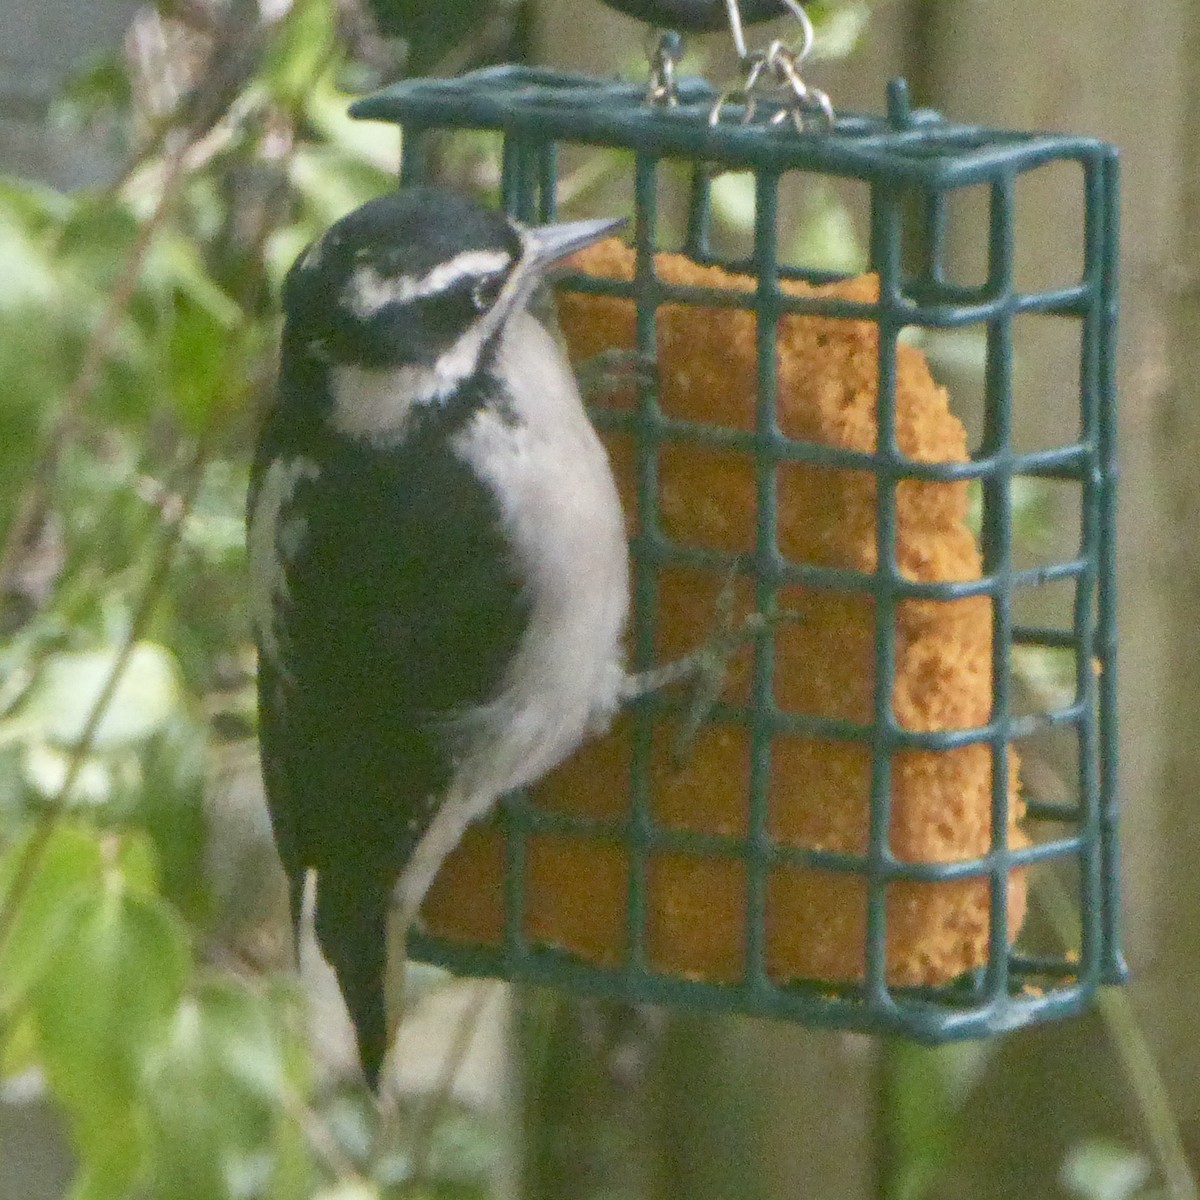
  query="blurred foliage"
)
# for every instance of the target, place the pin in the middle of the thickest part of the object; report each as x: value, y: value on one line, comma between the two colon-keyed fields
x: 138, y: 327
x: 922, y: 1094
x: 1101, y: 1170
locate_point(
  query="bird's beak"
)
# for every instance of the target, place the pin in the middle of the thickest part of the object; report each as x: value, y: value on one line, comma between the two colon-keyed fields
x: 550, y: 243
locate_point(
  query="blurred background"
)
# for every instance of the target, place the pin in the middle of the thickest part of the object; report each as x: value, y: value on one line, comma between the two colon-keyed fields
x: 162, y: 164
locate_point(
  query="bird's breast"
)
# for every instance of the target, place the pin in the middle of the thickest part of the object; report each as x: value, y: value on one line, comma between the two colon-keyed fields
x: 561, y: 514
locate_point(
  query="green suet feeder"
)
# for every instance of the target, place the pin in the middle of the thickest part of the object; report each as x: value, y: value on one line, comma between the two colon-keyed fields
x: 824, y: 883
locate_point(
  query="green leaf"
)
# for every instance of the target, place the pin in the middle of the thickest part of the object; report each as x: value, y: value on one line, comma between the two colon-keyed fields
x: 99, y: 1013
x: 101, y: 89
x: 333, y: 183
x: 839, y: 26
x: 1048, y: 672
x: 47, y: 768
x: 926, y: 1088
x: 300, y: 51
x: 96, y: 238
x: 1035, y: 515
x: 144, y: 699
x: 19, y: 1048
x: 216, y: 1092
x: 1103, y: 1170
x: 961, y: 353
x: 65, y: 879
x: 173, y: 266
x: 827, y: 240
x: 169, y: 806
x: 733, y: 199
x: 29, y: 271
x: 282, y: 249
x: 35, y: 207
x: 374, y: 143
x: 200, y: 361
x: 137, y: 861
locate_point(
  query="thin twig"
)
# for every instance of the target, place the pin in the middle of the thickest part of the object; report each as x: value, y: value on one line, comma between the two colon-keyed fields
x: 320, y: 1138
x: 430, y: 1117
x: 48, y: 819
x: 37, y: 492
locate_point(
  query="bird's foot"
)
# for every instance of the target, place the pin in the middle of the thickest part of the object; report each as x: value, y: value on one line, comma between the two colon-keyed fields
x: 706, y: 667
x: 613, y: 371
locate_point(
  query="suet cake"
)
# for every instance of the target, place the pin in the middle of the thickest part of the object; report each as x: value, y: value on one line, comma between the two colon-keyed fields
x: 576, y: 888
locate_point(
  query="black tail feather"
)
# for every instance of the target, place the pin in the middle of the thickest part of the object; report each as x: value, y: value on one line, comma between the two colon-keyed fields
x: 295, y: 881
x: 351, y: 925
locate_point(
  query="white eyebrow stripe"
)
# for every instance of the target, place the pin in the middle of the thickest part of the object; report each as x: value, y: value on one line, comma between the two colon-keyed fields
x: 369, y: 291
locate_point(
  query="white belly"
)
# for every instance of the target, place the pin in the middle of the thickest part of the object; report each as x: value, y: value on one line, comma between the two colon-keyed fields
x: 562, y: 513
x: 561, y: 510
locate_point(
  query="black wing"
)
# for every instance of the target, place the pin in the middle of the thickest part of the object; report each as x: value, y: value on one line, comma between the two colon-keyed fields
x: 399, y: 610
x: 402, y: 610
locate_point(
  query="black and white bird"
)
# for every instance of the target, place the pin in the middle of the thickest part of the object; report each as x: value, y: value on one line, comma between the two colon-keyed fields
x: 438, y: 561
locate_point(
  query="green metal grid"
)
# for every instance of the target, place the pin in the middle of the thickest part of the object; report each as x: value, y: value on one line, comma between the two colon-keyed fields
x: 912, y: 161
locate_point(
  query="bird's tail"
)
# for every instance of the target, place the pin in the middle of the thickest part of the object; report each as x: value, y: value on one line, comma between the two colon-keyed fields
x: 351, y: 927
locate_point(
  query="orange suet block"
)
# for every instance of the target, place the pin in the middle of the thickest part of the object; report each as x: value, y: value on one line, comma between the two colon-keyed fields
x: 576, y: 888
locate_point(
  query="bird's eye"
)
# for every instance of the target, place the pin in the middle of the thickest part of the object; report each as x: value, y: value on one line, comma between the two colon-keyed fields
x: 486, y: 292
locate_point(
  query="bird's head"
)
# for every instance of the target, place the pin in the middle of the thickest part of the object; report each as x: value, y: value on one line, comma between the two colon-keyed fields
x: 420, y: 278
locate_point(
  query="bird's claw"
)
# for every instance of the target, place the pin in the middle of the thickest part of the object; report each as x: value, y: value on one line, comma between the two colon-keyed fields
x: 707, y: 667
x: 711, y: 671
x: 611, y: 371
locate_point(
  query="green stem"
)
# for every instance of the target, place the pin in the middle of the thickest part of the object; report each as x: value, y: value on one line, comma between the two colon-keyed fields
x: 430, y: 1117
x: 1137, y: 1059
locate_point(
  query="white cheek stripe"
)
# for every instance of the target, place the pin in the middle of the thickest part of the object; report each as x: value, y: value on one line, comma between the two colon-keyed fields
x: 368, y: 291
x: 377, y: 404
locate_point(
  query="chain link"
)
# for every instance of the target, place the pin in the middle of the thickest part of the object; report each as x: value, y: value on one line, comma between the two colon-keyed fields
x: 773, y: 75
x: 662, y: 88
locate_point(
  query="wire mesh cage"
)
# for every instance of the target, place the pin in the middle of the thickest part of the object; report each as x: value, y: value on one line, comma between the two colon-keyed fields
x: 763, y: 903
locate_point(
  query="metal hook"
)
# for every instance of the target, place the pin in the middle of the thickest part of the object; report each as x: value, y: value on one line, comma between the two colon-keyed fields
x: 733, y: 96
x: 786, y: 66
x: 793, y: 6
